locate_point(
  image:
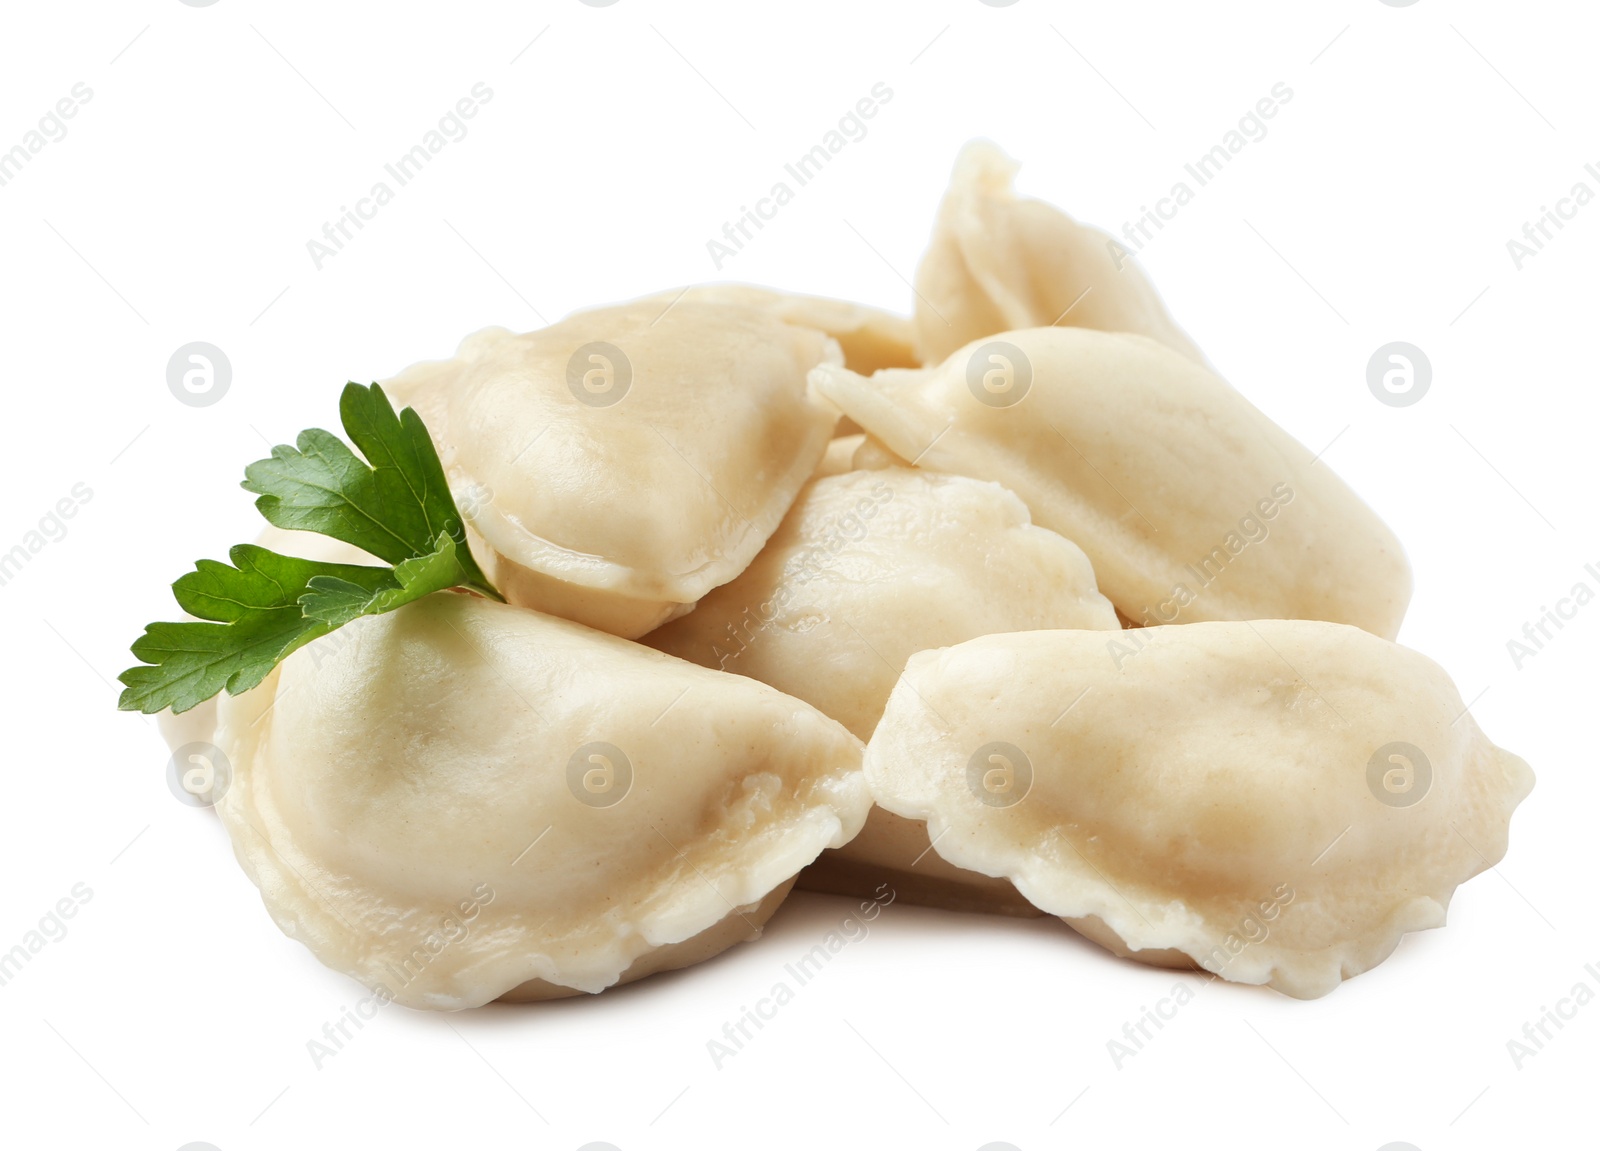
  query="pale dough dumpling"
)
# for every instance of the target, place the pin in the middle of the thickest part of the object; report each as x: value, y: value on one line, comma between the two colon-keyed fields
x: 998, y: 262
x: 618, y: 465
x: 840, y: 456
x: 871, y: 567
x: 1273, y: 801
x: 1190, y: 503
x: 869, y: 337
x: 463, y: 800
x: 868, y: 568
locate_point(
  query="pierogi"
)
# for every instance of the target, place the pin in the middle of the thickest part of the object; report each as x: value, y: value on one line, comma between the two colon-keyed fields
x: 998, y: 263
x: 1275, y: 801
x: 1190, y: 503
x: 868, y: 568
x: 618, y: 465
x: 1119, y: 647
x: 840, y: 456
x: 869, y: 338
x: 871, y: 567
x: 463, y: 800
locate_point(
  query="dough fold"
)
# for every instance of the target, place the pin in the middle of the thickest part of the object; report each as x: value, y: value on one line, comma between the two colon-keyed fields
x: 998, y: 262
x: 463, y: 799
x: 1190, y: 503
x: 1276, y: 802
x: 618, y: 465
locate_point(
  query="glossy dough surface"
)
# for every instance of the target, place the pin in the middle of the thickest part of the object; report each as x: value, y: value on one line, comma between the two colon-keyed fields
x: 408, y: 796
x: 998, y: 263
x: 869, y: 337
x: 840, y: 456
x: 1232, y: 793
x: 620, y: 512
x: 870, y: 567
x: 1190, y: 503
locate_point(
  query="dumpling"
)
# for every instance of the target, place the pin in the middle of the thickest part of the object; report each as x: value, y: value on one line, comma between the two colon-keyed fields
x: 1274, y: 801
x: 618, y: 465
x: 998, y: 263
x: 464, y: 800
x: 1190, y: 503
x: 869, y: 337
x: 840, y: 456
x: 868, y: 568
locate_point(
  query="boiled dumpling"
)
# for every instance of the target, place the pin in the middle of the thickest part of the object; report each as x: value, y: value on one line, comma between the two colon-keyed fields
x: 997, y: 263
x: 870, y: 338
x: 1274, y: 801
x: 616, y: 466
x: 840, y: 456
x: 868, y: 568
x: 1190, y: 503
x: 463, y: 800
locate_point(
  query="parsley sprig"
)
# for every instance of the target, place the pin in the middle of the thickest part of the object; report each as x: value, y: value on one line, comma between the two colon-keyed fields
x: 392, y: 501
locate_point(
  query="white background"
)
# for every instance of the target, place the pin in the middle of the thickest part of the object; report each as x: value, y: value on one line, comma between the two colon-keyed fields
x: 220, y: 139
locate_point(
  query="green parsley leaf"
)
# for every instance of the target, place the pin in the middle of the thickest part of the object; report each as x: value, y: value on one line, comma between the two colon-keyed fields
x: 336, y: 601
x: 395, y: 503
x: 257, y: 620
